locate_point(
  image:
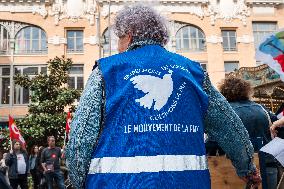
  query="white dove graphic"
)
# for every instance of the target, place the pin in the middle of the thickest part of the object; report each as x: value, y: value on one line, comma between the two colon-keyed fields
x: 156, y: 89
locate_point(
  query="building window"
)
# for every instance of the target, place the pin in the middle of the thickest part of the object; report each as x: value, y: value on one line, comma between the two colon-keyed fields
x: 190, y: 38
x: 231, y: 66
x: 106, y: 46
x: 261, y: 30
x: 21, y: 94
x: 75, y: 41
x: 204, y: 66
x: 76, y: 77
x: 229, y: 40
x: 4, y: 40
x: 5, y: 84
x: 31, y: 40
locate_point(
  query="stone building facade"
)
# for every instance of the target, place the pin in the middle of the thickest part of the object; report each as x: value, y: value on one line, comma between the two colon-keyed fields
x: 221, y: 34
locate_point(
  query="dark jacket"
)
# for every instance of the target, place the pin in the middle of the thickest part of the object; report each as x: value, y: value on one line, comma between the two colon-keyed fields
x: 255, y: 120
x: 11, y: 162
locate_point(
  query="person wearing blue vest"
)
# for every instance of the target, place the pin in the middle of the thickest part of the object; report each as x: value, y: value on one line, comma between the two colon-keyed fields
x: 141, y: 119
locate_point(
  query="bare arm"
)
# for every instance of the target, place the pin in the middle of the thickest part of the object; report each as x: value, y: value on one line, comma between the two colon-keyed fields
x: 277, y: 124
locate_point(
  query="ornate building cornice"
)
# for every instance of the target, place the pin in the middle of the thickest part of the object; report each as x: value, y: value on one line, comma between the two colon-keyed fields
x: 194, y: 7
x: 25, y: 8
x: 264, y: 2
x: 74, y: 10
x: 226, y: 10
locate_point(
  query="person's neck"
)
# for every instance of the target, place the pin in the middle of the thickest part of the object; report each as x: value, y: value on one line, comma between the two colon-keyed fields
x: 51, y: 147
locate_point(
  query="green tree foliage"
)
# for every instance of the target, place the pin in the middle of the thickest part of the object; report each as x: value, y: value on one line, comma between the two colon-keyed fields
x: 49, y: 97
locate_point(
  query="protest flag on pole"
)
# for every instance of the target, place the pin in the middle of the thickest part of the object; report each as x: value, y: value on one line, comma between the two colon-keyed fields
x: 68, y: 122
x: 15, y: 132
x: 67, y: 127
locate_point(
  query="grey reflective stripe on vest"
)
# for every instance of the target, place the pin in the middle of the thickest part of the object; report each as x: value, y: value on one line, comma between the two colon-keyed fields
x: 140, y: 164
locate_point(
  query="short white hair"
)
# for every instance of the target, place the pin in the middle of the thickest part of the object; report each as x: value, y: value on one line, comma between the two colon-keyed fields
x: 142, y: 22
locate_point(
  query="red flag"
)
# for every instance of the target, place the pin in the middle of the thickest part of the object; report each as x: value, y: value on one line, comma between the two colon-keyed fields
x: 68, y: 122
x: 15, y: 132
x: 280, y: 59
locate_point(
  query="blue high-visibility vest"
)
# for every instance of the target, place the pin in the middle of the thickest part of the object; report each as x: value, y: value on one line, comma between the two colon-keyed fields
x: 152, y: 134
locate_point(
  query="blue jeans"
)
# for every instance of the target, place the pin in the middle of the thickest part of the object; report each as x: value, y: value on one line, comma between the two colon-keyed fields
x: 271, y: 177
x: 57, y: 176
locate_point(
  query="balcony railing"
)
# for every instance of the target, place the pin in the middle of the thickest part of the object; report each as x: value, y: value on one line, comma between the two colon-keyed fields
x: 230, y: 49
x: 29, y: 52
x: 4, y: 52
x: 75, y: 51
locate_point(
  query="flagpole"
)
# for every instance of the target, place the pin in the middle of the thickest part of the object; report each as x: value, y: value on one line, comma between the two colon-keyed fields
x: 64, y: 144
x: 11, y: 144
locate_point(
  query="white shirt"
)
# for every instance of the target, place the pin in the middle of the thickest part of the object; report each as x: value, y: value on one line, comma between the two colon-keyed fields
x: 21, y: 164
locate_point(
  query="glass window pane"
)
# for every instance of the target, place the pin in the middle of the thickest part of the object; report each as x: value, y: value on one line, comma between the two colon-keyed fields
x: 70, y: 34
x: 231, y: 66
x: 43, y: 70
x: 114, y: 43
x: 43, y: 36
x: 71, y: 82
x: 35, y: 45
x: 200, y: 34
x: 201, y: 44
x: 79, y: 44
x: 27, y: 33
x: 5, y: 90
x: 178, y: 44
x: 192, y: 33
x: 232, y: 43
x: 70, y: 44
x: 35, y: 34
x: 224, y: 34
x: 26, y: 97
x: 185, y: 32
x: 43, y: 45
x: 232, y: 33
x: 193, y: 44
x: 17, y: 94
x: 76, y: 70
x: 5, y: 71
x: 204, y: 66
x: 80, y: 83
x: 79, y: 34
x: 186, y: 44
x: 30, y: 71
x: 17, y: 70
x: 27, y: 46
x: 225, y: 43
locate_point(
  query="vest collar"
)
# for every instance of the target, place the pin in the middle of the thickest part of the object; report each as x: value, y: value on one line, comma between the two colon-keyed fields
x: 141, y: 43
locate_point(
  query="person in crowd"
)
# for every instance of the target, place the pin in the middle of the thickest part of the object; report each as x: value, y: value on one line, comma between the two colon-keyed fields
x: 256, y: 120
x: 276, y: 125
x: 141, y: 118
x: 50, y: 160
x: 18, y: 163
x: 4, y: 167
x: 33, y: 168
x: 42, y: 184
x: 4, y: 182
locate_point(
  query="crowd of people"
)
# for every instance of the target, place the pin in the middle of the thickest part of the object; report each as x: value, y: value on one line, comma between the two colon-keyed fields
x: 42, y: 164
